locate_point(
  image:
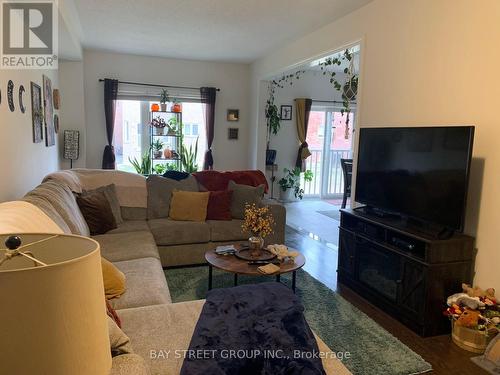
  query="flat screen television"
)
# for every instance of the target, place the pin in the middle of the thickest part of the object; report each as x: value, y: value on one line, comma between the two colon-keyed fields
x: 416, y: 172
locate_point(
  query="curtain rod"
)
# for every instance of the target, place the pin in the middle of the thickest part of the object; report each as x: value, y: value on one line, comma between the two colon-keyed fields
x: 329, y: 101
x: 155, y: 85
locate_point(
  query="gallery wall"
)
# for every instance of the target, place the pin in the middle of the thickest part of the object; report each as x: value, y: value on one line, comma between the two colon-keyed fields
x: 419, y: 68
x: 23, y: 163
x: 232, y: 79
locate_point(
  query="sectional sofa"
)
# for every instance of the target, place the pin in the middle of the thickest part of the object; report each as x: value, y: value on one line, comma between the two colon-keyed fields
x: 141, y: 246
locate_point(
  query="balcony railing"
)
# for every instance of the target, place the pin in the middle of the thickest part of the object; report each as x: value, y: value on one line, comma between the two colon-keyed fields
x: 333, y: 187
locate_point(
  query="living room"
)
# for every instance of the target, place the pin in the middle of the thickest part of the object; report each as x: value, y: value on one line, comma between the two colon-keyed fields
x: 422, y: 64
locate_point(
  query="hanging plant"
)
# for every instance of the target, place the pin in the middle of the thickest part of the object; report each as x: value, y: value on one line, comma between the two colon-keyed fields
x: 350, y: 86
x: 272, y: 112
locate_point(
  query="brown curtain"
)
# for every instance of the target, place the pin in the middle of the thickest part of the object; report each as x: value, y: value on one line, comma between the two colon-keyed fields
x: 208, y: 96
x: 110, y: 93
x: 302, y: 109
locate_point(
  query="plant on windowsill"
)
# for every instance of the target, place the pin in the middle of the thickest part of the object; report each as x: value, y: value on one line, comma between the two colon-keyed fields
x: 142, y: 166
x: 158, y: 124
x: 164, y: 98
x: 290, y: 184
x: 160, y: 168
x: 157, y: 148
x: 173, y: 126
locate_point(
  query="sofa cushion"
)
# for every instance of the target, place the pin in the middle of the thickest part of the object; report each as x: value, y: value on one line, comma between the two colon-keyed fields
x: 146, y: 284
x: 114, y: 279
x: 160, y: 191
x: 110, y: 193
x: 127, y: 364
x: 131, y: 226
x: 96, y: 210
x: 161, y: 327
x: 118, y: 340
x: 227, y: 230
x: 62, y: 200
x: 188, y: 205
x: 134, y: 213
x: 242, y: 195
x: 125, y: 246
x: 171, y: 232
x: 219, y: 205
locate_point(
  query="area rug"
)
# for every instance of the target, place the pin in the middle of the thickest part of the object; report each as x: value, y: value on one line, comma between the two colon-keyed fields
x: 344, y: 328
x: 332, y: 214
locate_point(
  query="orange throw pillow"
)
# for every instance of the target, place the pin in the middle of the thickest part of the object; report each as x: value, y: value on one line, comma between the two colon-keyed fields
x: 189, y: 206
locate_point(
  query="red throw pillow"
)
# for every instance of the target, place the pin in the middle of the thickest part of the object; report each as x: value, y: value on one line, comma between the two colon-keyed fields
x: 219, y: 205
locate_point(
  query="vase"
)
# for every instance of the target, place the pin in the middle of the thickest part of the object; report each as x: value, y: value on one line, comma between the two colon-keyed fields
x: 255, y: 245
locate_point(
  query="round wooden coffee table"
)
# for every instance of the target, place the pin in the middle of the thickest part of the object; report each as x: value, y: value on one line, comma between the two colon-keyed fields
x: 231, y: 263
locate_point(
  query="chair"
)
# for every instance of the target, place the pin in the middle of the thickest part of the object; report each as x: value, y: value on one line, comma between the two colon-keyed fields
x: 347, y: 172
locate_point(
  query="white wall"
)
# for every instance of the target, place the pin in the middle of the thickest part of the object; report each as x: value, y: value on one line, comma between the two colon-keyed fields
x: 313, y: 85
x: 424, y: 62
x: 23, y: 163
x: 232, y: 79
x: 72, y: 107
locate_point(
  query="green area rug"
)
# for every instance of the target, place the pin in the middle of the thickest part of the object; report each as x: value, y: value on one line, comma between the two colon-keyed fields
x: 342, y: 326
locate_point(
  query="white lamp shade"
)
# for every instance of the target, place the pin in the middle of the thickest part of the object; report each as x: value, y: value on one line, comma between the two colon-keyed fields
x: 53, y: 318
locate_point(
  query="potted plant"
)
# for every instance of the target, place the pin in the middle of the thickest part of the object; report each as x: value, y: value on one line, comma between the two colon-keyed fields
x: 259, y: 221
x: 160, y: 168
x: 177, y: 106
x: 173, y: 126
x: 164, y: 98
x: 290, y: 184
x: 142, y: 166
x: 157, y: 148
x: 158, y: 124
x: 188, y: 158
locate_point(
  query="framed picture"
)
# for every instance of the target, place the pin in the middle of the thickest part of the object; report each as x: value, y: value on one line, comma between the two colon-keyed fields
x: 36, y: 112
x: 232, y: 134
x: 57, y: 98
x: 233, y: 115
x: 48, y: 108
x: 286, y: 112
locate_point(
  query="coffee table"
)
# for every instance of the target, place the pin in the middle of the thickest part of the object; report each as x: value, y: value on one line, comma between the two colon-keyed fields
x: 232, y: 264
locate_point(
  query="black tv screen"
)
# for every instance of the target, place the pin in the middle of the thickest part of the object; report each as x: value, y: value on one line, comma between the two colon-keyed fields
x: 421, y: 173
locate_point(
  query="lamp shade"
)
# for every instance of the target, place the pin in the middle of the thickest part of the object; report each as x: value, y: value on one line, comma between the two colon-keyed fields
x: 53, y: 317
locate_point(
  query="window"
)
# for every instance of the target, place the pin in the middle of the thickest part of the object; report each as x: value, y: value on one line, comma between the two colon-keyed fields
x: 132, y: 131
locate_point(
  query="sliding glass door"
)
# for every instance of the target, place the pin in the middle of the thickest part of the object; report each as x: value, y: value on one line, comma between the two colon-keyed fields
x: 329, y: 141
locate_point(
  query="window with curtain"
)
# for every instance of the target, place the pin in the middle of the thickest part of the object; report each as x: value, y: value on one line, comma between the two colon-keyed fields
x: 132, y: 137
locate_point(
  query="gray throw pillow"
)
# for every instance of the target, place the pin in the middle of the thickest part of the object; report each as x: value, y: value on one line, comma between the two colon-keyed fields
x: 160, y: 192
x: 243, y: 194
x: 110, y: 193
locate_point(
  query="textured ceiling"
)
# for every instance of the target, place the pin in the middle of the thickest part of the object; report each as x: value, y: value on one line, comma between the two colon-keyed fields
x: 216, y: 30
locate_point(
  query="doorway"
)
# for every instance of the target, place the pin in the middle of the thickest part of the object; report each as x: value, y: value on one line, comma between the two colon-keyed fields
x: 329, y: 137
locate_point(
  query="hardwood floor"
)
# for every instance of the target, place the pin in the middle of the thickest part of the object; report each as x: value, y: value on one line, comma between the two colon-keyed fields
x: 321, y: 262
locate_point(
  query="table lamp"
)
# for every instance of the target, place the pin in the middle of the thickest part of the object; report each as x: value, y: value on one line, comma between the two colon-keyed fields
x: 52, y: 307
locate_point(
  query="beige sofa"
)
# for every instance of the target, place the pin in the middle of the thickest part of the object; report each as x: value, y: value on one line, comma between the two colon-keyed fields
x: 140, y: 248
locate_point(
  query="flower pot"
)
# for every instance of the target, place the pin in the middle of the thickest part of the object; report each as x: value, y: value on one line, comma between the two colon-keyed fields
x: 159, y: 131
x: 177, y: 107
x: 163, y: 106
x: 167, y: 153
x: 157, y: 154
x: 287, y: 195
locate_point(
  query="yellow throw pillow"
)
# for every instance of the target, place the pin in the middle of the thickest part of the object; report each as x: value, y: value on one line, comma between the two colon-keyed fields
x: 114, y: 279
x: 189, y: 206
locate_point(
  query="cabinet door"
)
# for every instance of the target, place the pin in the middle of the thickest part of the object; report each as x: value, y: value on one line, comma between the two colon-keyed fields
x: 412, y: 288
x: 347, y: 248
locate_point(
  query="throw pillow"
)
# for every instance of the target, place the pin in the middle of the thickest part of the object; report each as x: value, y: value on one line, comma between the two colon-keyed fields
x: 97, y: 212
x: 114, y: 279
x: 243, y: 194
x: 110, y: 193
x: 189, y: 206
x: 219, y: 205
x: 160, y: 193
x: 118, y: 340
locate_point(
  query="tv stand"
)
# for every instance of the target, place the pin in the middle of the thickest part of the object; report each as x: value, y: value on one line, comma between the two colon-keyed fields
x: 401, y: 269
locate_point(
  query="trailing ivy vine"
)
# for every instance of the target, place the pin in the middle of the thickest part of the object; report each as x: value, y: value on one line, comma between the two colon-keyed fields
x: 349, y: 90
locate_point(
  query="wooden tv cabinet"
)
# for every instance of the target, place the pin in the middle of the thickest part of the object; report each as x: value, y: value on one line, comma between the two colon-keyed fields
x: 401, y: 270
